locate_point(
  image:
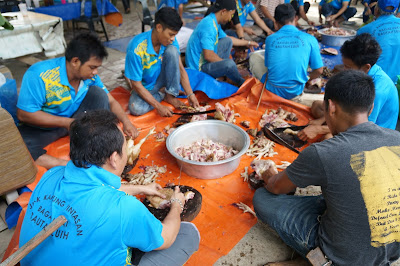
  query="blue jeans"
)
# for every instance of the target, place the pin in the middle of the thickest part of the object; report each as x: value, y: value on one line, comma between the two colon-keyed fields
x: 226, y: 67
x: 328, y: 9
x: 169, y: 78
x: 186, y: 243
x: 36, y: 138
x: 294, y: 218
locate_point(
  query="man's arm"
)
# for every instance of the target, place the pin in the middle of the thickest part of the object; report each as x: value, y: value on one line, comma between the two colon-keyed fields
x: 211, y: 56
x: 128, y: 128
x: 320, y: 14
x: 316, y: 73
x: 186, y: 85
x: 43, y: 119
x: 239, y: 31
x: 172, y: 221
x: 239, y: 42
x: 304, y: 16
x: 278, y: 183
x: 260, y: 22
x: 146, y: 95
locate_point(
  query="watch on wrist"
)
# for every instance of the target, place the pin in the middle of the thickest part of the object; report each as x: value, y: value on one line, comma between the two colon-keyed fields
x: 177, y: 200
x: 241, y: 38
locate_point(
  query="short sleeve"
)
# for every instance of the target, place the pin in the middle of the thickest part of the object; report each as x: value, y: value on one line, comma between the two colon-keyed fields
x: 322, y: 2
x: 250, y: 8
x: 315, y: 56
x: 133, y: 66
x: 140, y: 229
x: 307, y: 169
x: 301, y: 3
x: 176, y: 44
x: 207, y: 39
x: 32, y: 95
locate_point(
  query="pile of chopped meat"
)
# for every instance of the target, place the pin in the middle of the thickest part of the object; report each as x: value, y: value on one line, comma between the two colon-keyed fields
x: 148, y: 176
x: 261, y: 147
x: 337, y: 32
x: 276, y: 118
x: 224, y: 113
x: 206, y: 150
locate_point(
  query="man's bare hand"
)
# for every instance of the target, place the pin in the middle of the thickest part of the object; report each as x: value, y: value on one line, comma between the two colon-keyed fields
x: 164, y: 111
x: 269, y: 172
x: 153, y: 189
x: 193, y: 101
x: 311, y: 23
x: 130, y: 130
x: 249, y: 31
x: 310, y: 132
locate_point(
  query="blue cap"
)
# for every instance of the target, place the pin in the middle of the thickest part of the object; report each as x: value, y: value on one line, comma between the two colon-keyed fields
x: 384, y: 4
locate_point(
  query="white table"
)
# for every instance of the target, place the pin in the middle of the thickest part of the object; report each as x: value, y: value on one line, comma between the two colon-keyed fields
x: 32, y: 33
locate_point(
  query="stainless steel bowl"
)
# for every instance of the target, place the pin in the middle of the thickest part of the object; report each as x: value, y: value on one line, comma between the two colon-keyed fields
x: 335, y: 40
x: 218, y: 131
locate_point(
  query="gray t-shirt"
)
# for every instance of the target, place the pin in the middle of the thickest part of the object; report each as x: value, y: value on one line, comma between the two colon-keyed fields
x: 359, y: 173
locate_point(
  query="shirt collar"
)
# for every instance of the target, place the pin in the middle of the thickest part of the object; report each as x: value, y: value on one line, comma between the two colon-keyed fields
x: 63, y: 72
x: 92, y: 176
x: 289, y: 28
x: 373, y: 70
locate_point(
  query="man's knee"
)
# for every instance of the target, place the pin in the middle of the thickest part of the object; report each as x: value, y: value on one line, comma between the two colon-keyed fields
x: 97, y: 96
x: 192, y: 237
x: 171, y: 52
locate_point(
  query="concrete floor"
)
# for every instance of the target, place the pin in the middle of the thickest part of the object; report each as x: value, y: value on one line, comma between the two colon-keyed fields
x: 260, y: 245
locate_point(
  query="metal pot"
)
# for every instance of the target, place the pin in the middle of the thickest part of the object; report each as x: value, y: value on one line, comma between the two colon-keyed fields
x: 218, y: 131
x: 335, y: 40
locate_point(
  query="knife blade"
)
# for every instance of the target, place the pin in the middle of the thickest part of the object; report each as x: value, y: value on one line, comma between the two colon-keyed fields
x: 196, y: 113
x: 278, y: 139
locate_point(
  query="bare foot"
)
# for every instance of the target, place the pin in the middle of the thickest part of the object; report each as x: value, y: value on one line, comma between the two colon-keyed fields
x: 48, y: 161
x: 173, y: 100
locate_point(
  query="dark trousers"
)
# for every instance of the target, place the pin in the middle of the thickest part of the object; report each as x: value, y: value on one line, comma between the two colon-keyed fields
x: 296, y: 7
x: 37, y: 138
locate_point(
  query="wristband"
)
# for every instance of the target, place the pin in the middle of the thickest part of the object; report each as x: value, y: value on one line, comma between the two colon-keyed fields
x: 248, y: 44
x: 241, y: 38
x: 177, y: 200
x: 190, y: 94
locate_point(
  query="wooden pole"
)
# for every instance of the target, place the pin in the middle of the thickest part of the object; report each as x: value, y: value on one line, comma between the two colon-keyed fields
x: 34, y: 242
x: 262, y: 91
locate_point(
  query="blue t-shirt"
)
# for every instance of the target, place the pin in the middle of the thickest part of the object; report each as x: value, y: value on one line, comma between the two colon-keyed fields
x: 171, y: 3
x: 386, y: 30
x: 337, y: 4
x: 103, y: 223
x: 204, y: 36
x: 288, y: 53
x: 243, y: 11
x: 386, y: 103
x: 45, y: 87
x: 142, y: 62
x: 301, y: 2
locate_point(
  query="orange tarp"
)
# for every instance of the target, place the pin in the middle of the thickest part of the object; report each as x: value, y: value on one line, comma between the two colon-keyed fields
x: 221, y: 225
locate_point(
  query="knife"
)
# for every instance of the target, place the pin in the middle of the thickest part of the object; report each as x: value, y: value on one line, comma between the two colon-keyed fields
x: 196, y: 113
x: 271, y: 134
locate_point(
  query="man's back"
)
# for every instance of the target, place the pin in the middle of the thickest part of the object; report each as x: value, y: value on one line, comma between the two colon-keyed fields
x: 386, y: 103
x: 288, y: 53
x: 386, y: 30
x: 358, y: 171
x: 102, y: 222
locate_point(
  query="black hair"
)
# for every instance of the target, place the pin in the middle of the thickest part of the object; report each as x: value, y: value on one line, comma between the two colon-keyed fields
x: 284, y: 14
x: 362, y: 49
x: 169, y: 18
x: 84, y: 46
x: 352, y: 90
x: 94, y: 136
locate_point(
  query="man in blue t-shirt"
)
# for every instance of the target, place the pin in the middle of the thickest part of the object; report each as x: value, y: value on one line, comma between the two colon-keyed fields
x: 288, y: 53
x: 154, y: 68
x: 54, y: 91
x: 209, y: 48
x: 361, y: 53
x: 386, y: 30
x: 335, y: 11
x: 301, y: 8
x: 106, y: 224
x: 177, y: 4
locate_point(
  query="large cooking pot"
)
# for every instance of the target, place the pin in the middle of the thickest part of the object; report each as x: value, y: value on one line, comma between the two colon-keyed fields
x: 218, y: 131
x: 335, y: 40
